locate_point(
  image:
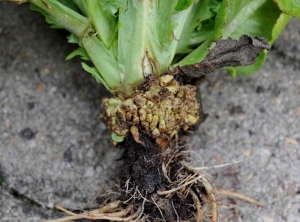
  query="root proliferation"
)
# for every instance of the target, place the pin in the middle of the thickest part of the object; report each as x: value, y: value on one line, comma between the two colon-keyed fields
x: 155, y: 186
x: 157, y: 180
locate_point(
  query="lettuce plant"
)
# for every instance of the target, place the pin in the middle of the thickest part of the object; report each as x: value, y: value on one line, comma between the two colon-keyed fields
x: 126, y: 40
x: 148, y: 54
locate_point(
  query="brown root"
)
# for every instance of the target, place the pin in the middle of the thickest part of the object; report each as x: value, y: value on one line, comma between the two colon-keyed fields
x: 155, y: 186
x: 187, y: 182
x: 110, y: 212
x: 240, y: 196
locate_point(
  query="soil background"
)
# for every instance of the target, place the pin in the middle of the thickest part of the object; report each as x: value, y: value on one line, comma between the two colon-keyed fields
x: 55, y: 150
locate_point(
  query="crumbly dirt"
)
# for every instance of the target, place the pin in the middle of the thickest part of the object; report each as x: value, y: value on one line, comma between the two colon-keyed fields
x: 141, y: 164
x: 141, y: 176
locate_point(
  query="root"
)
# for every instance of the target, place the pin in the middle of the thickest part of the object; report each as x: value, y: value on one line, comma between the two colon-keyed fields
x: 188, y: 186
x: 199, y: 215
x: 240, y: 196
x: 216, y: 166
x: 155, y: 186
x: 94, y: 214
x: 212, y: 199
x: 97, y: 214
x: 179, y: 187
x: 190, y: 182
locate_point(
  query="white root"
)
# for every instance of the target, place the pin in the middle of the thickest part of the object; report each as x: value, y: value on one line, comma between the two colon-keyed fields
x: 213, y: 167
x: 175, y: 211
x: 95, y: 214
x: 240, y: 196
x: 212, y: 199
x: 211, y: 195
x: 179, y: 187
x: 158, y: 208
x: 141, y: 209
x: 199, y: 215
x: 109, y: 207
x: 187, y: 181
x: 164, y: 170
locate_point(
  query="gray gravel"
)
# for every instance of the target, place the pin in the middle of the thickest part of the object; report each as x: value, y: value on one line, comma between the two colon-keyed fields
x: 54, y: 150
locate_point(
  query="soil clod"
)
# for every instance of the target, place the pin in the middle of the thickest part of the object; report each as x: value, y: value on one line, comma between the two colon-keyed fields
x: 141, y: 164
x: 156, y: 185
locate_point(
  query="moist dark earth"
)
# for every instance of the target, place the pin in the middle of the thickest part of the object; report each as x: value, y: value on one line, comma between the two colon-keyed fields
x: 141, y: 163
x: 54, y: 150
x: 141, y: 169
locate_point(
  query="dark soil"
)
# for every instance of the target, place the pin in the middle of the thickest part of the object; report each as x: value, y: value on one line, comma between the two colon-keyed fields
x: 141, y: 169
x: 141, y: 164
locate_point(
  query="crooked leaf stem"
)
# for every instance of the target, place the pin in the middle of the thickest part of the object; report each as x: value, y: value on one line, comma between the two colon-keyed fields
x: 64, y: 16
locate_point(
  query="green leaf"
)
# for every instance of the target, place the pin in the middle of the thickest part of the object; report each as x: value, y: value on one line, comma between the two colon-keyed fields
x: 61, y: 16
x: 146, y: 42
x: 126, y: 40
x: 251, y: 22
x: 70, y: 4
x: 49, y: 20
x: 94, y: 72
x: 81, y: 4
x: 195, y: 31
x: 184, y: 4
x: 238, y: 13
x: 198, y: 54
x: 79, y: 52
x: 103, y: 19
x: 74, y: 39
x: 110, y: 7
x: 257, y: 24
x: 290, y: 7
x: 279, y: 26
x: 117, y: 138
x: 104, y: 60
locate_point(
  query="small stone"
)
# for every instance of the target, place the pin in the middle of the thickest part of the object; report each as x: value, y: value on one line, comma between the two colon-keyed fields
x: 90, y: 172
x: 27, y: 133
x: 30, y: 105
x: 99, y: 169
x: 298, y: 111
x: 32, y: 144
x: 291, y: 141
x: 45, y: 71
x: 90, y: 153
x: 268, y: 218
x: 247, y: 152
x: 292, y: 189
x: 41, y: 87
x: 68, y: 155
